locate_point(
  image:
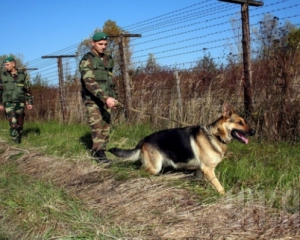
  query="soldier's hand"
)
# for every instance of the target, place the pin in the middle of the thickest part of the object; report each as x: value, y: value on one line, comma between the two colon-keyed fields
x: 29, y: 107
x: 1, y: 108
x: 110, y: 102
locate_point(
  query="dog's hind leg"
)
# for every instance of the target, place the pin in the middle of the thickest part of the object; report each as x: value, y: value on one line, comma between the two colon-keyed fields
x: 210, y: 176
x: 151, y: 159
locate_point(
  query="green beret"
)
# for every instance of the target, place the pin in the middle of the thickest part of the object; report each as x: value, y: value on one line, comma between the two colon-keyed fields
x: 100, y: 36
x: 9, y: 59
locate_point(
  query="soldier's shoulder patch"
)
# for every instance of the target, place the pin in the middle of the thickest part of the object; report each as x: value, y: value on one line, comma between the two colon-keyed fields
x: 91, y: 54
x: 87, y: 56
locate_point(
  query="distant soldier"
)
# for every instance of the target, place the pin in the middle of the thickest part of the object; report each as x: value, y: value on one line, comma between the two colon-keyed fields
x: 14, y: 95
x: 98, y: 93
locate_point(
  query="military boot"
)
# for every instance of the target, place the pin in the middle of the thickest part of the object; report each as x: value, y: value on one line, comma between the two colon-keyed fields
x: 19, y: 137
x: 18, y: 140
x: 15, y: 136
x: 101, y: 158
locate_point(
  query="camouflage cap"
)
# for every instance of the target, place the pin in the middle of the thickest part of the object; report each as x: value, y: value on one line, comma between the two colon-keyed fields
x: 8, y: 59
x: 100, y: 36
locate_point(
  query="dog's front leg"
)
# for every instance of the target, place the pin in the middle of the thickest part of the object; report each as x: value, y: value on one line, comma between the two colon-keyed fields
x: 209, y: 174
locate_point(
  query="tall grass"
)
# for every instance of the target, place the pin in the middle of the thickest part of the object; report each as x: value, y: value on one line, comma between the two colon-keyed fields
x: 31, y: 206
x: 257, y: 165
x: 32, y: 209
x: 53, y: 138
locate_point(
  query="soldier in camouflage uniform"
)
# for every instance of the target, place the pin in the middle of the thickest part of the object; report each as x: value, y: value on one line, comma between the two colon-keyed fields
x: 98, y: 93
x: 14, y: 95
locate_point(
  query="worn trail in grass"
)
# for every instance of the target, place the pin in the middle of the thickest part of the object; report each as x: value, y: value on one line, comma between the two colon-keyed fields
x: 68, y: 196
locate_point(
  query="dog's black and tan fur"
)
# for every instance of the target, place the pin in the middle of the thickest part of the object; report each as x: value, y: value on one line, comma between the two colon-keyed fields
x: 198, y: 147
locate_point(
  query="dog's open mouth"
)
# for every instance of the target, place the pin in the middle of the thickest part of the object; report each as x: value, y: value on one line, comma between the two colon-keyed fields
x: 239, y: 136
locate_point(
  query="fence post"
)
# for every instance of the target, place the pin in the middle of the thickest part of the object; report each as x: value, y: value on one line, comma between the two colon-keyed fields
x: 61, y: 82
x: 246, y: 49
x: 126, y: 79
x: 177, y: 78
x: 246, y: 59
x: 124, y: 69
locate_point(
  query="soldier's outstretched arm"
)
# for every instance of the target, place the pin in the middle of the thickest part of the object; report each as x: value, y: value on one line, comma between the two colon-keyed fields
x: 28, y: 95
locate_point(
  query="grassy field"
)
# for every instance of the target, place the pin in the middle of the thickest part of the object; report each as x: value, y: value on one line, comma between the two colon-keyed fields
x: 35, y: 206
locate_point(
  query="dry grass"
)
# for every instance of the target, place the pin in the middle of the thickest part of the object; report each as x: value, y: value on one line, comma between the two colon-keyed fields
x: 151, y: 208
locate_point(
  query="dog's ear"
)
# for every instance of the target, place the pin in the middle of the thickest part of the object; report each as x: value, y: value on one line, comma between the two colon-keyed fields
x: 227, y: 110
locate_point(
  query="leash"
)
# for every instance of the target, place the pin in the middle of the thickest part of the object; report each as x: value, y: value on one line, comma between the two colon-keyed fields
x: 118, y: 104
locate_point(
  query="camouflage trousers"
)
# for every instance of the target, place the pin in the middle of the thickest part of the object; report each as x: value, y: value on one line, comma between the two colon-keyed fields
x: 99, y: 118
x: 15, y: 115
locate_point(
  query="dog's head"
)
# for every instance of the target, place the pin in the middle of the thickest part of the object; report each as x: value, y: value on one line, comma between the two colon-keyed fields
x: 232, y: 126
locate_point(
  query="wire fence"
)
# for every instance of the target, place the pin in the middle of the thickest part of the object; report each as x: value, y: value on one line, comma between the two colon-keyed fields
x: 179, y: 41
x: 180, y: 38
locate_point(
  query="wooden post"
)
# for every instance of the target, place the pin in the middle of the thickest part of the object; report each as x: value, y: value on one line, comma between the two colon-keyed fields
x: 246, y: 59
x: 246, y: 50
x: 124, y: 69
x: 126, y: 79
x: 61, y: 88
x: 177, y: 78
x: 28, y: 69
x: 61, y: 82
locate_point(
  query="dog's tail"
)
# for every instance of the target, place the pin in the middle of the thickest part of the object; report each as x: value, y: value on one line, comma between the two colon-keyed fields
x: 126, y: 154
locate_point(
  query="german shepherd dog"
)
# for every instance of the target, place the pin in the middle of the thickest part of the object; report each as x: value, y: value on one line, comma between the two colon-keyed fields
x: 200, y: 148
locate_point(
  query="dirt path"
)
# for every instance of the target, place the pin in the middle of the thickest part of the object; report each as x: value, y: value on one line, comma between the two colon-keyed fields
x: 146, y: 208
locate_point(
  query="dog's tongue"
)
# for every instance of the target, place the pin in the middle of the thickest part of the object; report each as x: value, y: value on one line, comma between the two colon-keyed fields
x: 241, y: 136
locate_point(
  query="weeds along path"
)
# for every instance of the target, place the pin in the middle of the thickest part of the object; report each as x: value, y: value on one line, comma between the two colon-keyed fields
x: 149, y: 208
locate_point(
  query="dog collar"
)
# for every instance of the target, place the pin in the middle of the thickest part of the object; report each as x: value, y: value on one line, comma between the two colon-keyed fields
x: 211, y: 135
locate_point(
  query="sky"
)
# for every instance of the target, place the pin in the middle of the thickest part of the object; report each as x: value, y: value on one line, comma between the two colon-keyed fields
x: 36, y: 28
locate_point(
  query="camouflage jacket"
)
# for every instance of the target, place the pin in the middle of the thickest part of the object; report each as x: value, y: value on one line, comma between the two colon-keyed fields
x: 15, y: 88
x: 96, y: 76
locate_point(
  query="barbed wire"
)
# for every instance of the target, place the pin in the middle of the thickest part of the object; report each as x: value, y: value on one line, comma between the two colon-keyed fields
x: 207, y: 20
x: 224, y: 45
x: 48, y: 67
x: 170, y: 13
x: 172, y: 22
